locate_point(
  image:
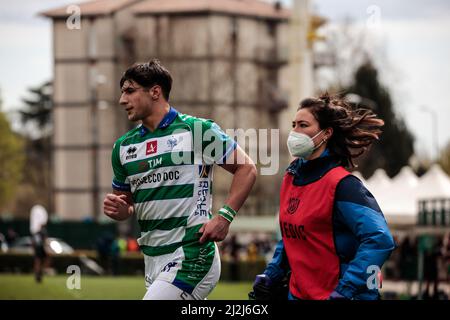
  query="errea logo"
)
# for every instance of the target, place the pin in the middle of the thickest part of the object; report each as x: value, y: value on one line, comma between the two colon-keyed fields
x: 152, y: 147
x: 131, y: 153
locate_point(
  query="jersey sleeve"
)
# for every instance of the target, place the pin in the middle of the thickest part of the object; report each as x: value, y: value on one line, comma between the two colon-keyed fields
x: 279, y: 266
x: 120, y: 178
x: 358, y: 210
x: 216, y: 144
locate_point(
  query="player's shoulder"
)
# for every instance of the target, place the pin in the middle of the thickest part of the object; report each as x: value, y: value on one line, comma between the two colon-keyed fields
x: 350, y: 185
x: 352, y: 189
x: 128, y: 138
x: 192, y: 120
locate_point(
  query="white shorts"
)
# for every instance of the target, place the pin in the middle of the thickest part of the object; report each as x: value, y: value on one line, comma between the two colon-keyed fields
x: 163, y: 290
x: 190, y: 272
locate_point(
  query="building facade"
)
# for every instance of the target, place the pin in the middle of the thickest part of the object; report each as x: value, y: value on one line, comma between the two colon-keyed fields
x: 229, y: 61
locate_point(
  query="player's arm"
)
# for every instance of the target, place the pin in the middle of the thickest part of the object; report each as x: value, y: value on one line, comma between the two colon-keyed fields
x: 272, y: 284
x: 118, y: 205
x: 244, y: 176
x: 358, y: 210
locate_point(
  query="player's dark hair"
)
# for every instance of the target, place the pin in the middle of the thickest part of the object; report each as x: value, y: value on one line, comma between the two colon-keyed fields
x: 149, y: 74
x: 354, y: 130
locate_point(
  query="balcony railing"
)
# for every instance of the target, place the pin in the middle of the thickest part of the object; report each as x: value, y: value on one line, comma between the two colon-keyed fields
x: 434, y: 212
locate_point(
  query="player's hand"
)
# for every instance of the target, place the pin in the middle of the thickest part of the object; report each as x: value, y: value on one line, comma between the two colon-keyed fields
x: 116, y: 207
x: 214, y: 230
x: 262, y: 288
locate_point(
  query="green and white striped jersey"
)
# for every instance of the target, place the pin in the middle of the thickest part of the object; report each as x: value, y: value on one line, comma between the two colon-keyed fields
x: 169, y: 173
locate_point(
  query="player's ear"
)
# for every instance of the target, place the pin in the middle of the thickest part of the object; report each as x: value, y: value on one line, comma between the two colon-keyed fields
x: 328, y: 133
x: 155, y: 92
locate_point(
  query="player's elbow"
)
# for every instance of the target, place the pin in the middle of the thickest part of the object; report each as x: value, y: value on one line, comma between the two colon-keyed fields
x: 246, y: 172
x: 251, y: 172
x: 383, y: 241
x: 387, y: 241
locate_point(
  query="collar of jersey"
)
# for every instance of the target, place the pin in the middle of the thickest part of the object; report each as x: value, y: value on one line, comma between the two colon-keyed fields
x: 299, y: 162
x: 165, y: 122
x: 308, y: 171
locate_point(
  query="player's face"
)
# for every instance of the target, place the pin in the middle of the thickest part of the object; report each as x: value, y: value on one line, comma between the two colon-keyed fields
x: 136, y: 100
x: 304, y: 122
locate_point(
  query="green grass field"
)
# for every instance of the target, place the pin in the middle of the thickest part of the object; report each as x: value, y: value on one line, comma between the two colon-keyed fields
x: 98, y: 288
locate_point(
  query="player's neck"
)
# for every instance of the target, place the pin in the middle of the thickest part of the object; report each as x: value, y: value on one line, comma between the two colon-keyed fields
x: 157, y: 114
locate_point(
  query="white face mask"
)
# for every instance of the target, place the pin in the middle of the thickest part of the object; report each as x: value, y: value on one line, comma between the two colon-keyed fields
x: 301, y: 145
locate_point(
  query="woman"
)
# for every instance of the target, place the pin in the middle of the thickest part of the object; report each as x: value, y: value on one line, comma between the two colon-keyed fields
x: 334, y: 236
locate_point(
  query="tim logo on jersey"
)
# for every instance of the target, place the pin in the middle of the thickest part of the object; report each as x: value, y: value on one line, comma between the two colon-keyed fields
x: 152, y: 147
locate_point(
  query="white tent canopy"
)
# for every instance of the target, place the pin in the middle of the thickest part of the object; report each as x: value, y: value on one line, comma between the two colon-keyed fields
x: 398, y: 197
x: 406, y: 177
x: 399, y: 200
x: 434, y: 184
x: 379, y: 178
x: 378, y: 183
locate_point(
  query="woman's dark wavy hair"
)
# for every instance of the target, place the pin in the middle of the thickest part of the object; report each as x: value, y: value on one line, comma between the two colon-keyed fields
x: 354, y: 130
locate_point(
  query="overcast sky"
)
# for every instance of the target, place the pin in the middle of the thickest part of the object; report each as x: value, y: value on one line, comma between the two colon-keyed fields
x: 415, y: 36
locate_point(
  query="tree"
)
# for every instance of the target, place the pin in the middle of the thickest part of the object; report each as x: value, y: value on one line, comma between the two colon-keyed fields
x: 395, y: 147
x: 11, y: 162
x: 36, y: 115
x: 344, y: 47
x: 36, y: 121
